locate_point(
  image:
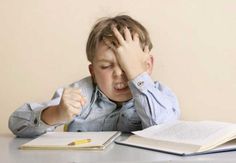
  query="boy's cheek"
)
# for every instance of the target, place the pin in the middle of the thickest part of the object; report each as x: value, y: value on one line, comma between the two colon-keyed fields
x: 103, y: 77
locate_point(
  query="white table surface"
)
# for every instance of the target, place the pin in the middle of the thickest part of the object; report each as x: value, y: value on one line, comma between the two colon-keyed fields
x: 9, y: 153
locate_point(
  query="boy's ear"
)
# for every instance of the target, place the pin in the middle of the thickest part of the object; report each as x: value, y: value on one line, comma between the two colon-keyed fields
x: 150, y: 62
x: 91, y: 70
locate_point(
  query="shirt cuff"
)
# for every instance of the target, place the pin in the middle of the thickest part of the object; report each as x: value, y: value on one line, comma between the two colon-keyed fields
x: 38, y: 122
x: 141, y: 84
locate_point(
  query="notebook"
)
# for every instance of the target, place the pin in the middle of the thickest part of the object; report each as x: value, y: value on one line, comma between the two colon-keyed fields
x: 72, y: 140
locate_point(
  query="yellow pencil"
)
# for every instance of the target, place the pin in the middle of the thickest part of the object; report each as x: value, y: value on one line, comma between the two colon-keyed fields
x: 78, y: 142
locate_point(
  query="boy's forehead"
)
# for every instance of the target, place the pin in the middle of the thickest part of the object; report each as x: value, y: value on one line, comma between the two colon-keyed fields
x: 103, y: 53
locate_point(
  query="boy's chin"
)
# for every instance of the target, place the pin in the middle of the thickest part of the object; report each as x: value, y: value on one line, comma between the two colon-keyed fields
x: 121, y: 99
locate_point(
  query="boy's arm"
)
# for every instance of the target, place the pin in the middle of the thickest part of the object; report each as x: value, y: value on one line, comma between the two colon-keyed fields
x: 26, y: 120
x: 154, y: 103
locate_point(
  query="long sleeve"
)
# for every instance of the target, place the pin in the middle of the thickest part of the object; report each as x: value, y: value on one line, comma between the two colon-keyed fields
x: 26, y: 120
x: 154, y: 102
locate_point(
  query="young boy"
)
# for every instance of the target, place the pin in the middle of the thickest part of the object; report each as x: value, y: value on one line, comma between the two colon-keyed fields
x: 119, y: 94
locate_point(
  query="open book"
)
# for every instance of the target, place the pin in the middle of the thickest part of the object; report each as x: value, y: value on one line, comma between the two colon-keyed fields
x: 72, y: 140
x: 186, y: 137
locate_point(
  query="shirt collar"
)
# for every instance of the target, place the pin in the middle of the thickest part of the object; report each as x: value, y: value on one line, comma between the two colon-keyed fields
x: 98, y: 94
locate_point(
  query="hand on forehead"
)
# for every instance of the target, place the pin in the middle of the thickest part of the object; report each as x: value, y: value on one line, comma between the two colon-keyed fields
x: 120, y: 39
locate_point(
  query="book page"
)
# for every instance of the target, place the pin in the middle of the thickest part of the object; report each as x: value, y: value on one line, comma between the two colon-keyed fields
x: 227, y: 146
x: 172, y: 147
x: 188, y: 132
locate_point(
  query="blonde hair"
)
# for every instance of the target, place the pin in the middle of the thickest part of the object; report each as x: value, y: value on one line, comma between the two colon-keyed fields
x: 102, y: 29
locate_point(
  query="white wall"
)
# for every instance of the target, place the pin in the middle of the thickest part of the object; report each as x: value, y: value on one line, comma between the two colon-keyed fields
x: 42, y: 47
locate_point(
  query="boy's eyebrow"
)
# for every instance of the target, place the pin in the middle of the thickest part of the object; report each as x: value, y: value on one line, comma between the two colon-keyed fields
x: 104, y: 60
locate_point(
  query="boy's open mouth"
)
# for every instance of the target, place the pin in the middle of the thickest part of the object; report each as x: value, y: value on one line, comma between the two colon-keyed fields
x: 120, y: 86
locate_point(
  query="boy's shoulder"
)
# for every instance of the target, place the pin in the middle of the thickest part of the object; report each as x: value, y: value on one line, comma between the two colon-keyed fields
x: 84, y: 82
x: 85, y: 85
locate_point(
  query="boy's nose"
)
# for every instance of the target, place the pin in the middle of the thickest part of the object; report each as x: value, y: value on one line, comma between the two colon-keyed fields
x: 118, y: 71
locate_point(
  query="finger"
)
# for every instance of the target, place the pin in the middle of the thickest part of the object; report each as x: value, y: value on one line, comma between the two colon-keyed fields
x: 79, y: 99
x: 146, y: 49
x: 83, y: 102
x: 136, y: 38
x: 109, y: 44
x: 72, y: 94
x: 75, y: 105
x: 71, y: 109
x: 148, y: 59
x: 128, y: 36
x: 74, y: 112
x: 118, y: 35
x: 75, y: 100
x: 72, y: 91
x: 69, y: 90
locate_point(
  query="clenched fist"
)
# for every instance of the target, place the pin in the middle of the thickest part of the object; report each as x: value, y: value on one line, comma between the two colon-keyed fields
x: 71, y: 103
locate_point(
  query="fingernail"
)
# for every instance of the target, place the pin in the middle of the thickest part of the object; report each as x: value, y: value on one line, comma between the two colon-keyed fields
x: 113, y: 26
x: 82, y: 102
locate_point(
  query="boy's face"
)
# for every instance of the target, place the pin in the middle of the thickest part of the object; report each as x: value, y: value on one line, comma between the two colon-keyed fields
x: 108, y: 75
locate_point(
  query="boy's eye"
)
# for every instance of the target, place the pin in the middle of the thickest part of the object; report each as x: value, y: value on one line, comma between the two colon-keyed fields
x: 105, y: 67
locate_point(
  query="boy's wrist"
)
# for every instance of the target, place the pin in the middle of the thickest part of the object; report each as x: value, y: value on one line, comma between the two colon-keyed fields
x: 133, y: 72
x: 140, y: 83
x: 50, y: 115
